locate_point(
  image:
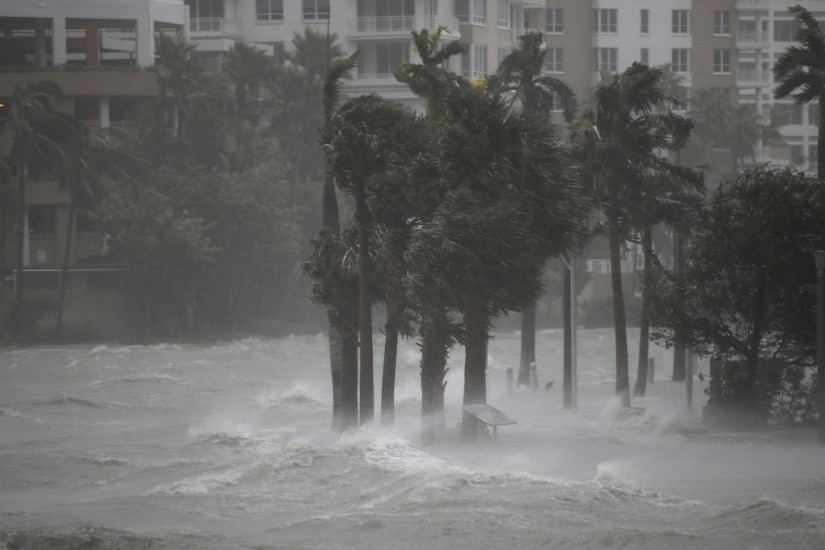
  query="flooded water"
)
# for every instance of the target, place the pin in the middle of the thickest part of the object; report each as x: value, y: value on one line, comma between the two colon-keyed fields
x: 228, y: 447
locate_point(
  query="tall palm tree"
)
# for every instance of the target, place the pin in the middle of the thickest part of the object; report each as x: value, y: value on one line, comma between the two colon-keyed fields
x: 520, y: 75
x: 367, y: 139
x: 177, y: 72
x: 343, y: 341
x: 620, y: 140
x: 39, y: 129
x: 247, y: 67
x: 430, y: 80
x: 800, y: 72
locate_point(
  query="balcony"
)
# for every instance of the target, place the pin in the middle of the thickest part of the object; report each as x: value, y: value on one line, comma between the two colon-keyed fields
x: 753, y: 5
x: 214, y: 27
x: 750, y: 78
x: 753, y: 40
x: 399, y: 25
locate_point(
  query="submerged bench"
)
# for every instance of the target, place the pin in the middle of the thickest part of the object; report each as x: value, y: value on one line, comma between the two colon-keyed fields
x: 490, y: 416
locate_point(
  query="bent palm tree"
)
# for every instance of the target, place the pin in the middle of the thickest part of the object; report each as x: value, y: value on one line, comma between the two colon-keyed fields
x: 801, y: 72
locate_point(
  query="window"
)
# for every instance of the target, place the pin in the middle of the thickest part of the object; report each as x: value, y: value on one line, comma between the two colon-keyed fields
x: 502, y: 53
x: 785, y: 31
x: 607, y: 59
x: 645, y: 26
x: 721, y: 61
x: 503, y: 20
x: 389, y: 56
x: 269, y: 10
x: 316, y: 10
x: 205, y: 8
x: 680, y: 21
x: 644, y: 56
x: 474, y: 62
x: 787, y: 113
x: 555, y: 21
x: 471, y: 11
x: 42, y: 222
x: 554, y: 60
x: 680, y: 60
x: 556, y: 103
x: 122, y: 113
x: 605, y: 20
x: 721, y: 22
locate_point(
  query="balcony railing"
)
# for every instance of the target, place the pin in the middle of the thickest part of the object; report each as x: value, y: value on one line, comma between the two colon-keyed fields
x: 214, y: 26
x: 753, y: 4
x: 401, y: 24
x: 750, y: 78
x: 752, y: 39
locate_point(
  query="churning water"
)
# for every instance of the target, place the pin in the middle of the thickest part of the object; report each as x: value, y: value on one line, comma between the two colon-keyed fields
x: 228, y: 447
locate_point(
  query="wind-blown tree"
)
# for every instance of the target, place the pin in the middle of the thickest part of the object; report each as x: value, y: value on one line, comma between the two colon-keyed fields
x: 342, y: 313
x: 248, y: 69
x: 800, y: 72
x: 509, y: 197
x: 368, y: 139
x: 520, y: 76
x: 431, y: 80
x: 39, y: 130
x: 620, y: 141
x: 747, y: 287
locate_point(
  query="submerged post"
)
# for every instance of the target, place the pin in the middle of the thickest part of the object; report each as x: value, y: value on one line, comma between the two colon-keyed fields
x: 819, y: 257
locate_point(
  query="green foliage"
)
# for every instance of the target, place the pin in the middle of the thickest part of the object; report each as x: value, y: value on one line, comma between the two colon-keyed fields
x: 205, y: 250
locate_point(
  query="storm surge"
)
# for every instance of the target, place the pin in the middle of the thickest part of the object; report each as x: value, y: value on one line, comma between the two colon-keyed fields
x: 228, y: 446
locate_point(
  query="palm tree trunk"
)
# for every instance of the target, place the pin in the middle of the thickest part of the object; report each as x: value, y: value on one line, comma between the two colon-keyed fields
x: 644, y: 322
x: 394, y: 300
x: 367, y: 397
x: 348, y: 336
x: 329, y: 218
x: 528, y: 343
x: 64, y: 274
x: 679, y: 367
x: 475, y: 365
x: 568, y: 340
x: 434, y: 351
x: 17, y: 308
x: 619, y: 320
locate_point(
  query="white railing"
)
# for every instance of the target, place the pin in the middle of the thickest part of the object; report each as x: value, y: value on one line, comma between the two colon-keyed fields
x: 402, y: 24
x: 753, y: 4
x: 214, y: 26
x: 751, y: 77
x: 752, y: 38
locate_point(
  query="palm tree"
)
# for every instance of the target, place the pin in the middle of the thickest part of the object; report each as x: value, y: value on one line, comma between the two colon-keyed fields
x: 177, y: 73
x: 520, y: 75
x: 508, y: 199
x: 247, y: 68
x: 38, y: 128
x: 367, y: 139
x: 619, y: 141
x: 431, y: 81
x: 800, y: 72
x: 343, y: 340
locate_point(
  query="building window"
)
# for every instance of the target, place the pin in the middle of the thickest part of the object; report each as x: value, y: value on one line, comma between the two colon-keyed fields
x: 502, y: 53
x: 471, y: 11
x: 554, y: 21
x: 644, y: 56
x: 554, y: 60
x: 607, y: 59
x: 199, y: 9
x: 785, y: 31
x: 605, y: 20
x: 721, y: 22
x: 316, y: 10
x: 787, y: 113
x: 389, y: 56
x: 681, y: 23
x: 269, y: 10
x: 721, y: 61
x: 503, y: 20
x: 680, y: 60
x: 122, y: 113
x: 645, y: 26
x: 474, y: 62
x: 42, y: 222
